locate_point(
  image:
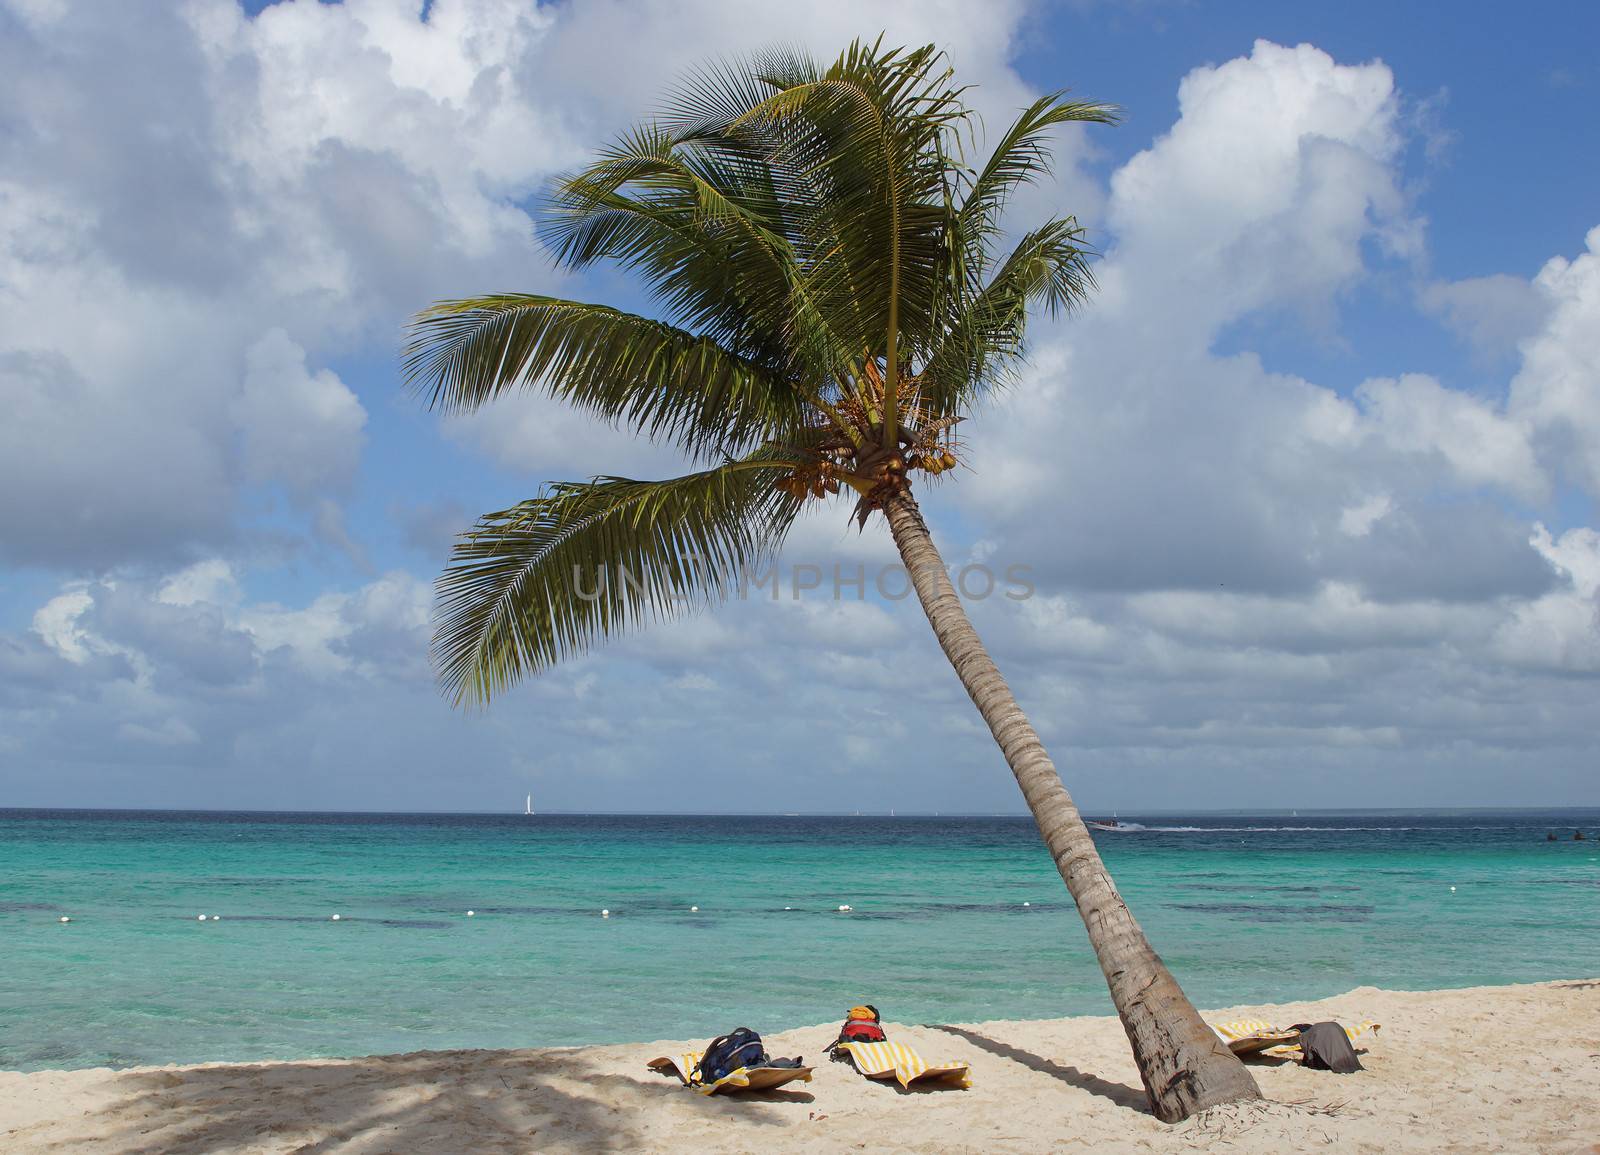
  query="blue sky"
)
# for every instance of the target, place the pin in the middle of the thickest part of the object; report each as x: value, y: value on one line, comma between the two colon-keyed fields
x: 1308, y: 493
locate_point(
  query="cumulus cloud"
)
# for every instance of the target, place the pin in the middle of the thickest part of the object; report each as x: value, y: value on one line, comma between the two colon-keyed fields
x: 1260, y: 196
x: 1358, y: 520
x: 668, y: 39
x: 189, y: 228
x: 1240, y: 571
x: 1161, y: 463
x: 241, y: 198
x: 297, y: 427
x: 1492, y: 314
x: 530, y: 434
x: 1557, y: 390
x: 1235, y: 558
x: 1415, y: 414
x: 1561, y: 630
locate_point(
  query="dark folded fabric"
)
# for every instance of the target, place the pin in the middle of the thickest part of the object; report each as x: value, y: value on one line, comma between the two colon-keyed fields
x: 783, y: 1063
x: 1326, y: 1047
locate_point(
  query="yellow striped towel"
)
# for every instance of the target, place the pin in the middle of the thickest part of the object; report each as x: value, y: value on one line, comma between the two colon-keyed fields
x: 904, y: 1065
x: 685, y: 1065
x: 1257, y: 1036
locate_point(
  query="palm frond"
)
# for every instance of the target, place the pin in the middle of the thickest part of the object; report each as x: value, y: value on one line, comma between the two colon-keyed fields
x: 1021, y: 156
x: 531, y: 585
x: 662, y: 381
x: 984, y: 340
x: 867, y: 133
x: 707, y: 221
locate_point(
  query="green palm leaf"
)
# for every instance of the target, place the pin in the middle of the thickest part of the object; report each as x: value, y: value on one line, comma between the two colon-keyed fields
x: 985, y: 340
x: 530, y: 585
x: 665, y: 382
x: 1022, y: 156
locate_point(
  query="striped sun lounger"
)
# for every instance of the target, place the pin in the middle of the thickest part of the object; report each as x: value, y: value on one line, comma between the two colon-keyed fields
x: 744, y: 1079
x: 902, y: 1064
x: 1259, y: 1037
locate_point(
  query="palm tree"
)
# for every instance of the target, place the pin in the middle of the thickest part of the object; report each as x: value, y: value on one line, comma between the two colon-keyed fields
x: 836, y: 301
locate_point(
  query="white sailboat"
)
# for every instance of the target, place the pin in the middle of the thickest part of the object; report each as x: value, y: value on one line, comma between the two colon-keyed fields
x: 528, y: 808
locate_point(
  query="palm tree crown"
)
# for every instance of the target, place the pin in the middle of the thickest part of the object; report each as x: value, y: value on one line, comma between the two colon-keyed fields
x: 835, y: 294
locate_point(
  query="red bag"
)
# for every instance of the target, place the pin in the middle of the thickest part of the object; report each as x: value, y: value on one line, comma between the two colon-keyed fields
x: 861, y: 1031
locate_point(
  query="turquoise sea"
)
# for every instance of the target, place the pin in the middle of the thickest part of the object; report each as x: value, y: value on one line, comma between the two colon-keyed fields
x: 1245, y: 908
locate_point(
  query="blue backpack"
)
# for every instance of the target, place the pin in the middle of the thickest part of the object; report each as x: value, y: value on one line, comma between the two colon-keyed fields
x: 727, y: 1053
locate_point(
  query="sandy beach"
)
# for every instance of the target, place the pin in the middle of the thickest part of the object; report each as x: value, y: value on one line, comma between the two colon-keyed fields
x: 1487, y: 1069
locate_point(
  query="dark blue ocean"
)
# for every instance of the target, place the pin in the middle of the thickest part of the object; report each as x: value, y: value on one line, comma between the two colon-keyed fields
x: 1245, y: 908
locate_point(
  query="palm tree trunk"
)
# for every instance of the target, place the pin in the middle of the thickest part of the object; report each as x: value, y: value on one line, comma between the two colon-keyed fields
x: 1184, y: 1066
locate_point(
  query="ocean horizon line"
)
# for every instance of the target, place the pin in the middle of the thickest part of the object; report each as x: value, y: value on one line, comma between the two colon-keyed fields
x: 1220, y: 812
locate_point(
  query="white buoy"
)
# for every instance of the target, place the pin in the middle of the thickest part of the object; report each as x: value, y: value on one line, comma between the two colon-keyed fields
x: 1027, y: 904
x: 335, y: 918
x: 201, y: 918
x: 64, y: 918
x: 788, y: 908
x: 694, y: 910
x: 215, y: 917
x: 470, y: 913
x: 1452, y: 890
x: 605, y: 914
x: 844, y: 909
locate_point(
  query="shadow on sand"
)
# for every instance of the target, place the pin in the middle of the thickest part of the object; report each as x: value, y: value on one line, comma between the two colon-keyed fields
x: 438, y: 1101
x: 1119, y: 1093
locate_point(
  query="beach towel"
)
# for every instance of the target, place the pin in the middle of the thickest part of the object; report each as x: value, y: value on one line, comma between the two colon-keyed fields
x: 1259, y: 1037
x: 902, y: 1064
x: 687, y: 1065
x: 1255, y: 1036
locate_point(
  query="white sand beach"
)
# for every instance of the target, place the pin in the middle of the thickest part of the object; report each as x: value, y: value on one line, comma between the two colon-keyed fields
x: 1489, y: 1069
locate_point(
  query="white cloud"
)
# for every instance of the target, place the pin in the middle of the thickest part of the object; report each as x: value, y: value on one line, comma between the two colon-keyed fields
x: 296, y: 427
x: 1260, y: 195
x: 1134, y: 456
x: 212, y: 580
x: 1416, y: 414
x: 236, y: 198
x: 1060, y: 626
x: 1575, y: 555
x: 1561, y: 630
x: 1557, y: 390
x: 1337, y: 616
x: 378, y: 631
x: 57, y: 622
x: 1492, y: 314
x: 535, y: 435
x: 1232, y: 559
x: 1358, y: 520
x: 693, y: 682
x: 237, y: 193
x: 666, y: 39
x: 368, y: 145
